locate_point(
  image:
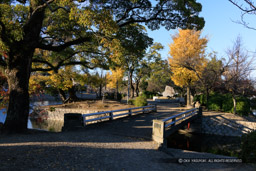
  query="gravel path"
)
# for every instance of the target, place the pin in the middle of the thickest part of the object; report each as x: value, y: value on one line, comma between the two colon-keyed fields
x: 98, y: 147
x: 96, y: 150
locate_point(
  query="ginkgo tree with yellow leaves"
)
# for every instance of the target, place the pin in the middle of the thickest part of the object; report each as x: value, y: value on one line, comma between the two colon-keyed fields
x: 114, y: 79
x: 187, y: 59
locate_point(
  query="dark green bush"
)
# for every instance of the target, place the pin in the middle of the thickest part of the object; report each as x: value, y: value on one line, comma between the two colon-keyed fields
x: 131, y: 102
x: 227, y: 103
x: 215, y: 102
x: 248, y: 153
x: 224, y: 102
x: 201, y: 98
x: 111, y: 96
x: 149, y: 94
x: 197, y: 98
x: 242, y: 106
x: 141, y: 101
x: 253, y: 103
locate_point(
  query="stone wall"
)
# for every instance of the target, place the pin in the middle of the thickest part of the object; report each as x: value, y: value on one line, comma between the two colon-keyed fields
x: 58, y: 113
x: 226, y: 124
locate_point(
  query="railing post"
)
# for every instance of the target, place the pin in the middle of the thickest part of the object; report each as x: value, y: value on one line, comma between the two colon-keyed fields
x: 158, y: 131
x: 84, y: 119
x: 200, y: 119
x: 143, y: 110
x: 111, y: 116
x: 200, y: 111
x: 155, y: 109
x: 130, y: 112
x: 173, y: 120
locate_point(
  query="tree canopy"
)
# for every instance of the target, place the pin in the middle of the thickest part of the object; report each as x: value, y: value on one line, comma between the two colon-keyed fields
x: 187, y: 59
x: 83, y: 26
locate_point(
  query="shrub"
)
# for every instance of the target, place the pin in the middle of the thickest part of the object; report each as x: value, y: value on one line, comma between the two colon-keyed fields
x: 253, y: 103
x: 215, y: 102
x: 141, y: 101
x: 52, y: 109
x: 111, y: 96
x: 149, y: 94
x: 131, y: 102
x: 248, y: 153
x: 201, y: 98
x: 242, y: 106
x: 224, y: 103
x: 227, y: 103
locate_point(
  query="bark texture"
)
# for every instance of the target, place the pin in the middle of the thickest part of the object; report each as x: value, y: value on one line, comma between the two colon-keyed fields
x: 18, y: 71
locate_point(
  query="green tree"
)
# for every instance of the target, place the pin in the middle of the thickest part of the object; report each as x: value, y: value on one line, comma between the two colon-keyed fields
x: 97, y: 81
x: 153, y: 72
x: 134, y: 41
x: 160, y: 76
x: 54, y: 25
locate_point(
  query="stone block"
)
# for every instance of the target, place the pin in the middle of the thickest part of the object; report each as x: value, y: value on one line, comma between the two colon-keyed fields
x: 158, y: 131
x: 72, y: 121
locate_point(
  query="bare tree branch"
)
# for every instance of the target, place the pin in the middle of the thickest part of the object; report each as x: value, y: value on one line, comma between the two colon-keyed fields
x: 244, y: 9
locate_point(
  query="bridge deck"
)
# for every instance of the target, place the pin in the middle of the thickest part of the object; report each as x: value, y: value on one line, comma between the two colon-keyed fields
x: 138, y: 125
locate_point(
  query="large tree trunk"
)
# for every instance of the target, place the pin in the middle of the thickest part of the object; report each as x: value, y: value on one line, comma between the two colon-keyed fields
x: 207, y: 97
x: 234, y: 103
x: 100, y: 91
x: 137, y: 90
x: 62, y: 95
x: 18, y: 70
x: 189, y: 100
x: 133, y: 90
x: 116, y: 92
x: 18, y: 74
x: 72, y: 94
x: 131, y: 84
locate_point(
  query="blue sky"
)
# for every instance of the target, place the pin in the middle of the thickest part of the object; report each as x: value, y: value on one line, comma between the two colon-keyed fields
x: 220, y: 28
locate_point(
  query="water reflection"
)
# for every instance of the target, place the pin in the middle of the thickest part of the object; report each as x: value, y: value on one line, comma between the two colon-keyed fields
x: 49, y: 125
x: 223, y: 145
x: 2, y: 115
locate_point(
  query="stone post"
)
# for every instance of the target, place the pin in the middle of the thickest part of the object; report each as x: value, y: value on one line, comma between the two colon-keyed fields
x: 130, y: 112
x: 72, y: 121
x: 158, y: 132
x: 111, y: 116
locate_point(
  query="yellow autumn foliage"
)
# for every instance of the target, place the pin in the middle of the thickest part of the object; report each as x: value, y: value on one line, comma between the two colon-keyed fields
x: 115, y: 76
x: 64, y: 79
x: 187, y: 57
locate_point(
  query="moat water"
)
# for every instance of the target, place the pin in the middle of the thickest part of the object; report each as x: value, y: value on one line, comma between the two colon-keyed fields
x: 35, y: 124
x: 222, y: 145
